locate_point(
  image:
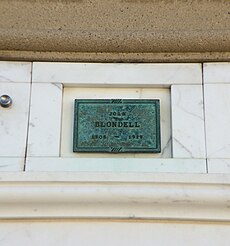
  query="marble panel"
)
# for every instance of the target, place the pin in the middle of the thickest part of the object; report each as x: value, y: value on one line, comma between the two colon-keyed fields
x: 188, y: 136
x: 217, y: 120
x: 198, y: 182
x: 45, y: 120
x: 117, y: 74
x: 218, y: 165
x: 11, y: 164
x: 217, y: 73
x: 14, y: 120
x: 15, y: 71
x: 126, y: 93
x: 105, y: 232
x: 116, y: 165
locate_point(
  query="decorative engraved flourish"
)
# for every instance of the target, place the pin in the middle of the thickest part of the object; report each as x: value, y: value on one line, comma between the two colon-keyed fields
x: 116, y: 100
x: 115, y: 149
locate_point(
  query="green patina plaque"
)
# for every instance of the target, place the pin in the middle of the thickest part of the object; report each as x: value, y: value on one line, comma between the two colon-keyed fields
x: 117, y: 125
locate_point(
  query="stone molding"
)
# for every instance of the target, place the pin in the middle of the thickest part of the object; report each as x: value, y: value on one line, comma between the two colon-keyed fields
x: 130, y: 196
x: 102, y: 57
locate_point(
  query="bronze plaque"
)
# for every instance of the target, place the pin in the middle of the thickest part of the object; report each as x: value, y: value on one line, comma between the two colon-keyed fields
x: 117, y: 125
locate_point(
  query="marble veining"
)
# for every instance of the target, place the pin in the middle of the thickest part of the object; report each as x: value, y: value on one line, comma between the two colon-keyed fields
x: 45, y: 120
x: 117, y: 74
x: 219, y: 166
x: 14, y: 120
x: 216, y: 73
x: 187, y: 121
x: 11, y: 164
x: 15, y: 71
x: 217, y: 114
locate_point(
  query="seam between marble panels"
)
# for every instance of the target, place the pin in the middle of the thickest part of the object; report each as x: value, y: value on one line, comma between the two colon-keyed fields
x: 28, y: 122
x: 61, y: 119
x: 204, y: 112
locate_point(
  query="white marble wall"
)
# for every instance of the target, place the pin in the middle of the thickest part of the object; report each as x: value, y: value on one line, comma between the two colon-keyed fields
x: 116, y: 81
x: 45, y: 120
x: 15, y: 81
x: 188, y: 134
x: 195, y: 114
x: 116, y: 75
x: 72, y: 191
x: 72, y: 233
x: 217, y: 116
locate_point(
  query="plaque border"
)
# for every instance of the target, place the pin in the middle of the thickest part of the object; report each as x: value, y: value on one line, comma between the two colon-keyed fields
x: 78, y: 149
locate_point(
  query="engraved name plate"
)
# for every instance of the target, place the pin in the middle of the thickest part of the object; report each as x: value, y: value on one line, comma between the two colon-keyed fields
x: 117, y: 126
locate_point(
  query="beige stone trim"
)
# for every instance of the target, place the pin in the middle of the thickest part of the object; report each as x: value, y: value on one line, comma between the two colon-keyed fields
x: 114, y: 196
x: 13, y: 55
x: 115, y: 31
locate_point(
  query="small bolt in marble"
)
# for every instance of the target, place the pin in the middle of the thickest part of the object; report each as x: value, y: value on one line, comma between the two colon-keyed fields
x: 5, y: 101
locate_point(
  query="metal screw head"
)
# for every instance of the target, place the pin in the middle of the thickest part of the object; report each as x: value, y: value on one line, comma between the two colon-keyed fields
x: 5, y: 101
